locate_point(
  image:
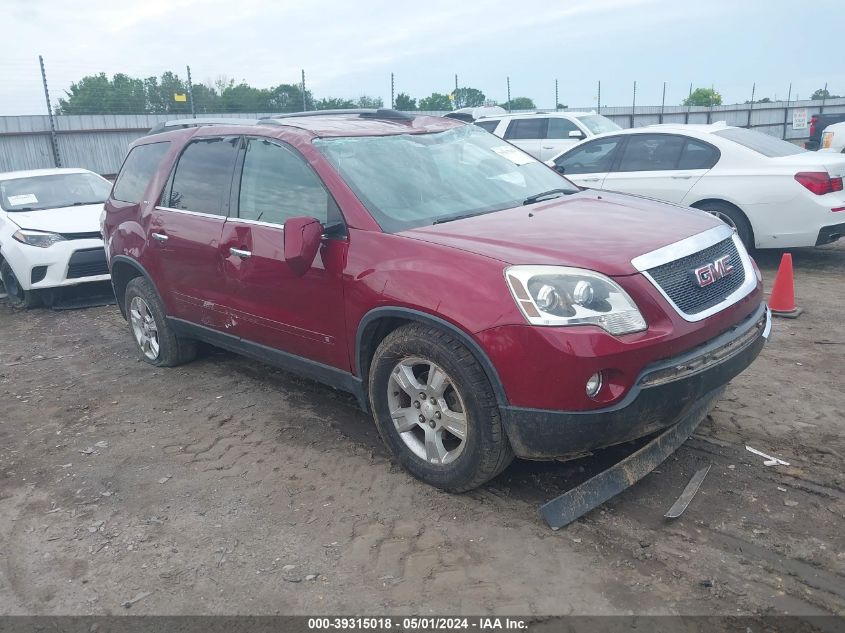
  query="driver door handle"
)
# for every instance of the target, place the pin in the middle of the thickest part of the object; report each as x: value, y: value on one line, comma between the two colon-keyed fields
x: 591, y: 179
x: 237, y: 252
x: 682, y: 177
x: 159, y: 237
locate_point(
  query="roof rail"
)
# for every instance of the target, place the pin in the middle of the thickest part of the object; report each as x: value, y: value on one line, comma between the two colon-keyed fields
x: 364, y: 113
x: 181, y: 124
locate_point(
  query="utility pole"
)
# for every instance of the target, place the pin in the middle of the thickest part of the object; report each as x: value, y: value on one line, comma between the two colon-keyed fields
x: 304, y: 103
x: 392, y: 85
x: 557, y: 100
x: 191, y: 94
x: 509, y: 94
x: 54, y: 141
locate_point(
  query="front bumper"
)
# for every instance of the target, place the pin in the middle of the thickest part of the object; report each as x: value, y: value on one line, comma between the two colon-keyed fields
x: 664, y: 394
x: 66, y: 263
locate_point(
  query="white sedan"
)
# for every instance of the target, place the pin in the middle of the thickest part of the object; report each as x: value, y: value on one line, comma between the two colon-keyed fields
x: 775, y: 194
x: 50, y: 231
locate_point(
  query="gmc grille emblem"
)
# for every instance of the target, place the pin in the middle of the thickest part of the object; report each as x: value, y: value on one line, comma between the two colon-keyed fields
x: 713, y: 272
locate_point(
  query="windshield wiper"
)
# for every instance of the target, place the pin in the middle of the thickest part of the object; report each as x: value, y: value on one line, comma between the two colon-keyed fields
x: 461, y: 216
x: 82, y: 204
x: 546, y: 194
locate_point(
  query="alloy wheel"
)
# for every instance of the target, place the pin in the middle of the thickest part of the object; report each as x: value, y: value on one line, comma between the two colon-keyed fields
x: 427, y: 410
x: 144, y: 327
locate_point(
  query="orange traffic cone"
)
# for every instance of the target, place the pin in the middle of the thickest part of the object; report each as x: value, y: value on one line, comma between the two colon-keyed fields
x: 782, y: 299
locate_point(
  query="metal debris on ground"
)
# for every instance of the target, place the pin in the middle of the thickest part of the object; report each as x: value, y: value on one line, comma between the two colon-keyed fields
x: 683, y: 501
x: 128, y: 603
x: 770, y: 461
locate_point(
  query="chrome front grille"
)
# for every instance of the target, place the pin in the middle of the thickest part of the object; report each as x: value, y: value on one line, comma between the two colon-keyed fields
x: 678, y: 279
x: 702, y: 274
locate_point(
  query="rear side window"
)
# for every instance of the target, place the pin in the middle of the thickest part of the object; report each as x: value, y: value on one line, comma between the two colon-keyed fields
x: 560, y: 128
x: 697, y: 155
x: 277, y: 184
x: 590, y: 158
x: 651, y: 152
x: 764, y: 144
x: 526, y: 129
x: 138, y: 170
x: 490, y: 126
x: 203, y: 176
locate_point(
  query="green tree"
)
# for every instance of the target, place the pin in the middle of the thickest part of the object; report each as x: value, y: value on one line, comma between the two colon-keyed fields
x: 333, y: 103
x: 369, y: 102
x: 288, y: 98
x: 520, y: 103
x: 435, y: 102
x: 96, y: 94
x: 405, y: 103
x: 823, y: 93
x: 561, y: 106
x: 468, y: 98
x: 703, y: 97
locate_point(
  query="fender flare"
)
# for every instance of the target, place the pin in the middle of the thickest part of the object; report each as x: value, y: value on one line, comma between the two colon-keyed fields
x: 429, y: 319
x: 137, y: 266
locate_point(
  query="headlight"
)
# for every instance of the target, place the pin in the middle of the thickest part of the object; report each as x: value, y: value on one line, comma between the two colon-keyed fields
x: 37, y: 238
x: 557, y: 295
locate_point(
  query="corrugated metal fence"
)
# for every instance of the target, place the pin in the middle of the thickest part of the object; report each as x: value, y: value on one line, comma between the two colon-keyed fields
x: 98, y: 142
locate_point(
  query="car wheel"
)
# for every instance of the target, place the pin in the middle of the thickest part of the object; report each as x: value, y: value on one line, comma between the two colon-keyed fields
x: 17, y: 296
x: 154, y: 337
x: 435, y: 409
x: 734, y: 218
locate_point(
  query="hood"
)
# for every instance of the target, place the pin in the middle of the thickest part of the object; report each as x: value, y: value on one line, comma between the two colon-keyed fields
x: 82, y: 219
x: 595, y: 230
x: 834, y: 164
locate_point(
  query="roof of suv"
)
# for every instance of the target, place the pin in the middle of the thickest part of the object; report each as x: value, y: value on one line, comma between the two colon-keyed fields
x: 538, y: 113
x: 328, y: 123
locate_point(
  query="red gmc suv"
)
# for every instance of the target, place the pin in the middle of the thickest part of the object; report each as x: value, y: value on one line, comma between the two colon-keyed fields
x: 476, y: 302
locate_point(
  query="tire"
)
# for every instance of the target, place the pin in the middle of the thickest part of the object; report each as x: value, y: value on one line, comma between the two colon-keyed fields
x: 733, y: 217
x: 17, y: 297
x: 467, y: 463
x: 153, y: 336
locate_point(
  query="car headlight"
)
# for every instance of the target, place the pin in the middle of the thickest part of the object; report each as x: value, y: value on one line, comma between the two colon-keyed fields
x: 37, y: 238
x: 558, y: 295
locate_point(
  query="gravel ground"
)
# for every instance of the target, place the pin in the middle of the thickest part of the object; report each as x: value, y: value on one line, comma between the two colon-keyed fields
x: 226, y: 486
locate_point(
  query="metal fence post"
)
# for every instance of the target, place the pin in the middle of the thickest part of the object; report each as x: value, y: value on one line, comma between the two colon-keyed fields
x: 689, y: 104
x: 191, y: 94
x: 392, y: 86
x: 634, y: 104
x: 557, y: 99
x: 824, y: 98
x: 751, y: 105
x: 54, y: 141
x: 509, y: 94
x: 786, y: 110
x: 663, y: 103
x: 304, y: 103
x: 599, y: 97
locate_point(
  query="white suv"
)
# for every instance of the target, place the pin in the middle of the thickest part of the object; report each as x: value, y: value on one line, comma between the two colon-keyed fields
x: 50, y: 231
x: 544, y: 135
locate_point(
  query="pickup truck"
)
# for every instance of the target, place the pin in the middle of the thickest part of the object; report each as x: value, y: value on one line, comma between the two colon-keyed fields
x: 818, y: 124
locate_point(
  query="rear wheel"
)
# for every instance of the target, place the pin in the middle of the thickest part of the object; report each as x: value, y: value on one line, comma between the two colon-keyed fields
x: 156, y: 340
x: 17, y: 296
x: 435, y: 409
x: 733, y: 217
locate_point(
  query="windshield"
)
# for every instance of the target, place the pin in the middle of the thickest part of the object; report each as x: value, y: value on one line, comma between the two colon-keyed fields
x: 53, y: 191
x: 413, y: 180
x: 761, y: 143
x: 598, y: 124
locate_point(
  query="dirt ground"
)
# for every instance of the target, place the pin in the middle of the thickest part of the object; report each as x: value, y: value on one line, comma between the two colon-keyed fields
x: 226, y: 486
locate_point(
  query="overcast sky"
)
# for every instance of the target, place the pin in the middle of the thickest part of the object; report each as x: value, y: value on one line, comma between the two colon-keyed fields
x: 350, y: 48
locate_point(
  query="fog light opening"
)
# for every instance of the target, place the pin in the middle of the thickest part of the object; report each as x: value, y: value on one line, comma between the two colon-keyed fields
x: 594, y: 384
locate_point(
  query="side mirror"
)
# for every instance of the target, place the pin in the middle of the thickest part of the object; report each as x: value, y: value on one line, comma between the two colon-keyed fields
x: 560, y: 169
x: 576, y: 134
x: 302, y: 241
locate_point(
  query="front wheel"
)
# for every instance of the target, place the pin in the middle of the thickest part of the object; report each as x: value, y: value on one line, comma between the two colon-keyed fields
x: 156, y: 340
x: 17, y: 296
x: 435, y: 409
